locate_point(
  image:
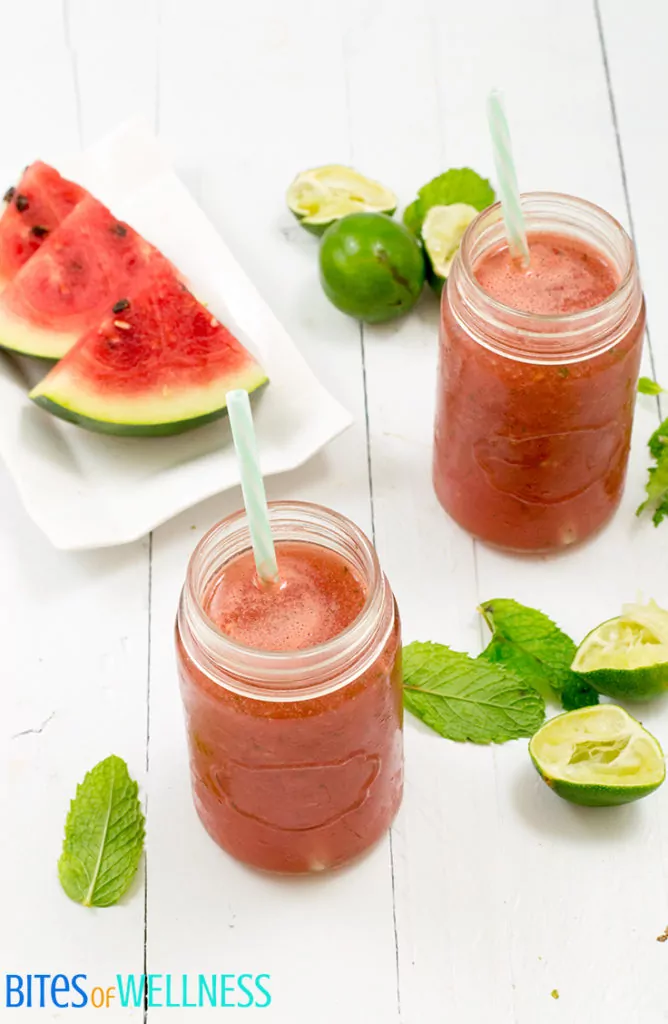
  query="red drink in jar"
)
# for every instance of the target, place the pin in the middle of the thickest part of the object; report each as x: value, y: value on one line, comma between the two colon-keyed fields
x: 537, y: 376
x: 292, y: 692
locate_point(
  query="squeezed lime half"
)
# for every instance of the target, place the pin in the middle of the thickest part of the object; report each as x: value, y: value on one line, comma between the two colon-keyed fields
x: 442, y: 231
x: 598, y: 756
x: 325, y: 194
x: 627, y: 657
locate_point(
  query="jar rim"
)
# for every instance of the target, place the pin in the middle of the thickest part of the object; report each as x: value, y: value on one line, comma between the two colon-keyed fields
x: 261, y: 673
x: 566, y: 330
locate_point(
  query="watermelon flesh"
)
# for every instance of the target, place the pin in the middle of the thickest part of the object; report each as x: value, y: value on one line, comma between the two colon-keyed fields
x: 160, y: 364
x: 66, y: 287
x: 35, y: 208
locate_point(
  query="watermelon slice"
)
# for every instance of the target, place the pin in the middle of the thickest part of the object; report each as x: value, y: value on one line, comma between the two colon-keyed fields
x: 38, y: 204
x: 72, y: 281
x: 159, y: 363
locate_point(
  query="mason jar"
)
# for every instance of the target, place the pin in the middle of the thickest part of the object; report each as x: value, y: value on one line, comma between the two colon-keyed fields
x: 296, y: 755
x: 534, y: 411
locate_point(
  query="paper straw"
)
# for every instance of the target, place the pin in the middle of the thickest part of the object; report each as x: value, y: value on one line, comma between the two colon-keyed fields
x: 252, y: 485
x: 507, y: 179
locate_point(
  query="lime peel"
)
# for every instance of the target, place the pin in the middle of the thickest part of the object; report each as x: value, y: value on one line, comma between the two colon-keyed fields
x: 598, y: 756
x: 322, y: 195
x: 371, y: 267
x: 627, y: 657
x: 442, y: 231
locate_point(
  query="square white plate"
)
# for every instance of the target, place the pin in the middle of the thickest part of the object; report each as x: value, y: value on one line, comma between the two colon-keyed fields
x: 86, y: 490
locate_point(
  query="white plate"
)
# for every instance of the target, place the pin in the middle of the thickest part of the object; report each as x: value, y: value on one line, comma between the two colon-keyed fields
x: 86, y: 490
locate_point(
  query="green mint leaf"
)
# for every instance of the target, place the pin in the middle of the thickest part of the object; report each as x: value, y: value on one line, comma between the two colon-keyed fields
x: 500, y: 652
x: 658, y: 442
x: 661, y: 511
x: 647, y: 386
x: 104, y: 836
x: 578, y: 693
x: 458, y: 185
x: 464, y: 698
x: 657, y: 481
x: 412, y: 218
x: 656, y: 486
x: 536, y: 650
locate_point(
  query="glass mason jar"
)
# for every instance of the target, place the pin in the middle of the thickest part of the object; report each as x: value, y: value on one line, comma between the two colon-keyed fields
x: 534, y: 412
x: 296, y: 756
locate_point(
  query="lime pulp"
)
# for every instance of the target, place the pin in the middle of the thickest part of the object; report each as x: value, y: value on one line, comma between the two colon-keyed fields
x: 442, y: 231
x: 322, y: 195
x: 598, y: 756
x: 627, y: 657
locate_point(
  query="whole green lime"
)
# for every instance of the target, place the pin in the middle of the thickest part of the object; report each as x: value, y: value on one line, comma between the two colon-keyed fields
x: 371, y: 267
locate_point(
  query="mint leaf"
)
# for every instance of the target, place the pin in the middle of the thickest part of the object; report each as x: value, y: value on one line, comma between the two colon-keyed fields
x: 647, y: 386
x: 412, y: 218
x: 104, y: 836
x: 661, y: 511
x: 658, y: 442
x: 657, y: 483
x: 464, y: 698
x: 578, y: 693
x: 458, y: 185
x: 536, y: 650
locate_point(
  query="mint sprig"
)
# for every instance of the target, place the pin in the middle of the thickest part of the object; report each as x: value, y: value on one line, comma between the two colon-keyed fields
x: 104, y: 836
x: 465, y: 698
x: 529, y: 643
x: 458, y: 185
x: 657, y: 483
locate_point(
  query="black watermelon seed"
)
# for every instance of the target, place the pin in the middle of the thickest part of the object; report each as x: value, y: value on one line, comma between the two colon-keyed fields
x: 119, y: 306
x: 9, y: 194
x: 120, y: 230
x: 39, y: 231
x: 22, y: 203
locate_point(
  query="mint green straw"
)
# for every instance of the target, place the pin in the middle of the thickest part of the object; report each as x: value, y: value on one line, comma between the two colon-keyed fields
x: 513, y: 217
x: 252, y: 485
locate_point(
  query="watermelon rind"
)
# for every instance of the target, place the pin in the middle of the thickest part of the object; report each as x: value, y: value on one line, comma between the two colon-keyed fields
x: 148, y: 415
x: 17, y: 335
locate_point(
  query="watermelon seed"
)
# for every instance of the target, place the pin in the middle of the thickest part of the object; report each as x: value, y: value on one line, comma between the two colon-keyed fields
x: 122, y: 325
x: 120, y: 230
x: 22, y: 203
x: 39, y: 231
x: 119, y: 306
x: 9, y: 194
x: 214, y: 322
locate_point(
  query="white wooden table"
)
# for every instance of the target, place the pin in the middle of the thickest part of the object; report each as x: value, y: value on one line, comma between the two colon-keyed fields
x: 490, y: 892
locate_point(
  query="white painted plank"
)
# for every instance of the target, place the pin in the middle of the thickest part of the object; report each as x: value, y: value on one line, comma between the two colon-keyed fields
x: 74, y: 639
x: 43, y: 123
x: 246, y: 101
x: 450, y: 900
x: 503, y: 893
x: 558, y: 866
x: 633, y: 37
x: 634, y: 34
x: 115, y: 50
x: 74, y: 651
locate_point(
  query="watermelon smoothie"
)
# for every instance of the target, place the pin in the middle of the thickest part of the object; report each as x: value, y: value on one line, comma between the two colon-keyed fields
x: 318, y: 596
x: 292, y: 692
x: 565, y: 275
x: 538, y: 372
